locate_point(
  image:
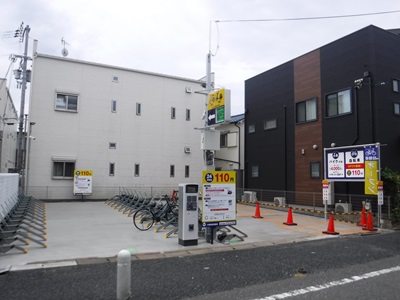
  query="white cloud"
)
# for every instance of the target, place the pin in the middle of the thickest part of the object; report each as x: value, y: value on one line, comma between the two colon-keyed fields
x: 172, y: 37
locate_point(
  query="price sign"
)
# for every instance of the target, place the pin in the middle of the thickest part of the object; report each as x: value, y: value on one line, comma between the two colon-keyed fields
x: 83, y: 182
x: 219, y: 198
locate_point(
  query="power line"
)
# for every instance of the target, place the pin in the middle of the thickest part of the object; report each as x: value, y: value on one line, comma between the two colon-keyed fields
x: 311, y: 18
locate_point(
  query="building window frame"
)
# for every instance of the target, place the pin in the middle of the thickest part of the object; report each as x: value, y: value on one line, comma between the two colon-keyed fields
x: 113, y: 106
x: 173, y: 112
x: 111, y: 169
x: 187, y: 114
x: 187, y: 171
x: 337, y: 106
x: 137, y: 170
x: 171, y: 170
x: 396, y: 108
x: 270, y: 124
x: 223, y: 140
x: 63, y: 169
x: 255, y: 171
x: 307, y: 111
x: 315, y: 170
x: 396, y: 85
x: 66, y: 102
x: 138, y: 108
x: 252, y: 128
x: 112, y: 145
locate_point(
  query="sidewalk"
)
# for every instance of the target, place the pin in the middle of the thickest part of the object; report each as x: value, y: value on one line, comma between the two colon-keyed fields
x: 89, y: 232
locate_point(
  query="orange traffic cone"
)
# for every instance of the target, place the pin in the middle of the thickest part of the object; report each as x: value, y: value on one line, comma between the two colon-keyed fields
x: 257, y: 214
x: 289, y: 221
x: 331, y: 226
x: 370, y: 223
x: 363, y: 221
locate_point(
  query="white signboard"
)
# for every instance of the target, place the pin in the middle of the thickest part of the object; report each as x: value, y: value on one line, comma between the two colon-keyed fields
x: 83, y: 182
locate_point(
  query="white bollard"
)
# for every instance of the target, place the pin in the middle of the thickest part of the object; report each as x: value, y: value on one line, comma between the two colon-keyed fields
x: 124, y: 275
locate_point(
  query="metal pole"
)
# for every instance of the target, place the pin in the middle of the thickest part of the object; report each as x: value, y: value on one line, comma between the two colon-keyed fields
x: 22, y: 106
x: 124, y: 275
x: 378, y: 145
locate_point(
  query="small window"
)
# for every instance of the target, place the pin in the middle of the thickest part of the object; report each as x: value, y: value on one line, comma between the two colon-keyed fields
x: 112, y: 169
x: 113, y: 145
x: 254, y: 172
x: 270, y: 124
x: 114, y: 106
x: 338, y: 103
x: 115, y: 78
x: 187, y: 171
x: 173, y: 113
x: 397, y: 109
x: 306, y: 111
x: 252, y: 128
x: 137, y: 170
x: 63, y: 170
x: 396, y: 85
x: 172, y: 170
x: 187, y: 114
x: 224, y: 140
x: 67, y: 102
x: 315, y: 170
x: 138, y: 108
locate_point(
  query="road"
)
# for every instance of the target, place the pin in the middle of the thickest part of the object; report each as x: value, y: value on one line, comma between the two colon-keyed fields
x: 348, y: 267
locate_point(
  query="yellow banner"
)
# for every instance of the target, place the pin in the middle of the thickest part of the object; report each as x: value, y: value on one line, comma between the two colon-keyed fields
x: 371, y: 177
x: 216, y: 99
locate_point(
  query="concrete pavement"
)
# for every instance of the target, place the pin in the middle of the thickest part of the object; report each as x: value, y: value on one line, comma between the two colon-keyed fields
x: 88, y: 232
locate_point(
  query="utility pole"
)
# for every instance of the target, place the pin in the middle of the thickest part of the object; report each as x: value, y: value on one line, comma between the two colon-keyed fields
x: 23, y: 91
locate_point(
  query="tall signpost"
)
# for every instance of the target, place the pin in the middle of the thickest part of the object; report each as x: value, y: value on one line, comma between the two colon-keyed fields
x: 355, y: 163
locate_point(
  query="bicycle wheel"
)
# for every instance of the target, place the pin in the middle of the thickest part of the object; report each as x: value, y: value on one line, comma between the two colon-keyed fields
x: 143, y: 219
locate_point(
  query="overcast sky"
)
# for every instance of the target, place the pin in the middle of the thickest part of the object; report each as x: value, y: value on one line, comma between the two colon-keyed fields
x: 173, y: 37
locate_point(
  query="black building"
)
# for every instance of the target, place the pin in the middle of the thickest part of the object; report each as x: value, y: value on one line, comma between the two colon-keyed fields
x: 344, y: 93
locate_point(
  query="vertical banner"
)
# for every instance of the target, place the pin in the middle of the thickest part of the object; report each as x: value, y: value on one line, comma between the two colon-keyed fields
x: 371, y: 178
x: 83, y: 182
x: 219, y: 198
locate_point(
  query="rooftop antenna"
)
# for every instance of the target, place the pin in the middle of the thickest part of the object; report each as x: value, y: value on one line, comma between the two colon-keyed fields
x: 64, y: 51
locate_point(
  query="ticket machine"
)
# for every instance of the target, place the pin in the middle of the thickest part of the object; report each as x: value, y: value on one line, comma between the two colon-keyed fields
x: 188, y: 222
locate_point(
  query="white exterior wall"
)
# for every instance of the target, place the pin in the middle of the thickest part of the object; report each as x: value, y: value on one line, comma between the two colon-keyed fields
x: 8, y: 133
x: 153, y: 140
x: 230, y: 154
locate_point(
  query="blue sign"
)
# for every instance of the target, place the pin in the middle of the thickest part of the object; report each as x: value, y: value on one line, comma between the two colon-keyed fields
x: 371, y: 153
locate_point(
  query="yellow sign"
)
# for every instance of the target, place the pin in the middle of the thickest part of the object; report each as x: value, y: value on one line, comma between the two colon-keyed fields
x: 219, y: 177
x: 216, y: 99
x: 371, y: 177
x: 83, y: 173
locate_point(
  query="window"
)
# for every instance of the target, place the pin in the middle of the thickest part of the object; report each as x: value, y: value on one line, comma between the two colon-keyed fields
x: 315, y: 168
x: 63, y: 170
x: 252, y: 128
x: 254, y: 172
x: 396, y: 85
x: 306, y: 111
x: 138, y: 109
x: 173, y: 112
x: 338, y: 103
x: 67, y: 102
x: 137, y: 170
x: 397, y: 109
x: 172, y: 171
x: 112, y: 169
x: 224, y: 140
x: 187, y: 114
x: 187, y: 171
x: 270, y: 124
x: 113, y: 106
x: 113, y: 145
x: 115, y: 78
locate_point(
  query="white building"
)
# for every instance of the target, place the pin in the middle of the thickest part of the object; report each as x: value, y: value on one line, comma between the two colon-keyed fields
x: 8, y: 130
x: 131, y: 128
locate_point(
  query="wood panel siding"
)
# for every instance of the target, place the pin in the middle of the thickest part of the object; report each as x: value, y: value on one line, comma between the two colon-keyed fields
x: 307, y: 85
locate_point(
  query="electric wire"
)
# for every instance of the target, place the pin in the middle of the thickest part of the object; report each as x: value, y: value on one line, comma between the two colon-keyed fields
x: 310, y: 18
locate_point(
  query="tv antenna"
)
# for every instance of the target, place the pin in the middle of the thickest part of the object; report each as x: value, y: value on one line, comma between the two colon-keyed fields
x: 64, y: 51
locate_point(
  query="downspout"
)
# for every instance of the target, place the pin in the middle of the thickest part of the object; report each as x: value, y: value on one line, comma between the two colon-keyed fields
x: 238, y: 127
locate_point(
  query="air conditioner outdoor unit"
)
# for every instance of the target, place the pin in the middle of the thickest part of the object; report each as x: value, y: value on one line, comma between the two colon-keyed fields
x: 343, y: 207
x: 250, y: 196
x: 281, y: 201
x: 187, y: 150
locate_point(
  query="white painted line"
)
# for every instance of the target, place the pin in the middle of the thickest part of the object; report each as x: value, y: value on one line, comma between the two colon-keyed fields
x: 330, y: 284
x: 66, y: 263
